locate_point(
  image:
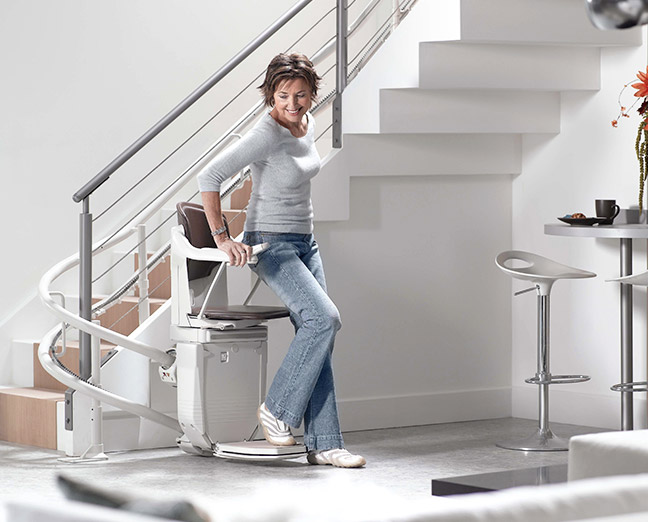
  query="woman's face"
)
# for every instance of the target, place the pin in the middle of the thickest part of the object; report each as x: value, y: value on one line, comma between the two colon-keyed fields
x: 292, y: 98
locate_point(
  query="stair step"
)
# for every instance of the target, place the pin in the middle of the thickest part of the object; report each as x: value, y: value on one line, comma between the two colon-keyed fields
x: 460, y: 65
x: 429, y: 154
x: 241, y: 197
x: 235, y: 221
x: 481, y: 111
x: 123, y: 317
x: 43, y: 380
x: 28, y: 416
x: 534, y: 21
x: 159, y: 280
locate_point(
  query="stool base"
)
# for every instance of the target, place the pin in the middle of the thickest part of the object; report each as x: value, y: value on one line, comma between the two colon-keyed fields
x: 541, y: 440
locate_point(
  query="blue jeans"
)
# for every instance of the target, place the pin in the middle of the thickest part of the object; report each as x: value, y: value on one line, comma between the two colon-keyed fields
x: 303, y: 387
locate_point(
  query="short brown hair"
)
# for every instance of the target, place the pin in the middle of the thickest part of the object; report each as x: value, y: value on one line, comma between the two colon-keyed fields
x: 288, y: 67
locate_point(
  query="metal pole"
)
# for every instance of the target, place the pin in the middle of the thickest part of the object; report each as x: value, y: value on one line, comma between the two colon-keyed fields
x: 396, y: 15
x: 341, y: 70
x: 543, y: 362
x: 85, y: 288
x: 626, y: 335
x: 143, y: 281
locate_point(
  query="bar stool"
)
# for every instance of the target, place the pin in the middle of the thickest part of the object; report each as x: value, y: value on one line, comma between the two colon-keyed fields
x: 636, y: 386
x: 542, y: 273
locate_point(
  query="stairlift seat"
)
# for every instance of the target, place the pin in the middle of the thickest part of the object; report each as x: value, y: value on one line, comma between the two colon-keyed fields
x: 242, y: 313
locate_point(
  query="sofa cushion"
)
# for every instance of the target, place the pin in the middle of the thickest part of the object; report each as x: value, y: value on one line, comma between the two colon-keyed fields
x: 608, y: 453
x: 346, y: 499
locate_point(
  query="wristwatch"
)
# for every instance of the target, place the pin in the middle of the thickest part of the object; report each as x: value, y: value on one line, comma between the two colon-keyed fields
x: 219, y: 231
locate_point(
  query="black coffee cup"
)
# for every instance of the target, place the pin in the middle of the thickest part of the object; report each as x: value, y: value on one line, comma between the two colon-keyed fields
x: 607, y: 208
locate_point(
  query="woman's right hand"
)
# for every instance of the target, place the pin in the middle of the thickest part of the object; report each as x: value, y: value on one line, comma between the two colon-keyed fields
x: 238, y: 253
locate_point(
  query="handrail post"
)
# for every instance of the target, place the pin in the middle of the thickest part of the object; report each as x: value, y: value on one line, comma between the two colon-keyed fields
x: 397, y: 14
x: 341, y: 71
x: 143, y: 307
x: 85, y: 287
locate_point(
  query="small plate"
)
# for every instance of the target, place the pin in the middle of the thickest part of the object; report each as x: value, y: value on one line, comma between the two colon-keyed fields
x: 587, y: 222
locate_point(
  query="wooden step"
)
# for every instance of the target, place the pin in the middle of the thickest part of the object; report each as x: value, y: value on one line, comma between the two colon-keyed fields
x: 159, y: 279
x: 123, y: 317
x: 235, y: 221
x: 43, y: 380
x: 28, y: 416
x: 241, y: 196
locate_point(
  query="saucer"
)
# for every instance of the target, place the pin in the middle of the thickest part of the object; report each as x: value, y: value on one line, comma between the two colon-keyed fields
x: 586, y: 222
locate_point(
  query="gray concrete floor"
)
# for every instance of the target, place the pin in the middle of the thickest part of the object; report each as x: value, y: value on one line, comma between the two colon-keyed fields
x: 401, y: 459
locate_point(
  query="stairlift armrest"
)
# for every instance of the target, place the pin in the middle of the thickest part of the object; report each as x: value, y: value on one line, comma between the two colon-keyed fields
x: 182, y: 246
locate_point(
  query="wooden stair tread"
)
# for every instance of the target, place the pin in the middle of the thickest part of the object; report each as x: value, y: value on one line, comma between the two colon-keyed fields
x: 28, y: 416
x: 133, y: 299
x: 74, y: 344
x: 43, y: 380
x: 35, y: 393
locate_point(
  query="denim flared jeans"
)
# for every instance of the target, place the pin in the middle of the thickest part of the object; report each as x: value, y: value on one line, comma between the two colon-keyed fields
x: 303, y: 387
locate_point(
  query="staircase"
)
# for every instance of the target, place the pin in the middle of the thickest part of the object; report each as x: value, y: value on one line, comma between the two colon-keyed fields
x: 451, y: 94
x: 32, y: 411
x: 457, y: 87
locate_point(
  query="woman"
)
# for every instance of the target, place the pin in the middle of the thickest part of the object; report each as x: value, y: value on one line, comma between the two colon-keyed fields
x: 280, y: 150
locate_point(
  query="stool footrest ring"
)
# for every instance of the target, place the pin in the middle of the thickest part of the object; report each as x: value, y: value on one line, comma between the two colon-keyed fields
x: 558, y: 379
x: 630, y: 387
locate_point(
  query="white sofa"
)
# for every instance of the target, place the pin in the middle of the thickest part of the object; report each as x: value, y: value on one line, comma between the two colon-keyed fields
x: 622, y: 498
x: 609, y: 453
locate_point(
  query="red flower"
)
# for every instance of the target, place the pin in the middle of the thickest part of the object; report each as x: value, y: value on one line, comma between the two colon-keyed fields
x: 642, y: 86
x: 614, y: 123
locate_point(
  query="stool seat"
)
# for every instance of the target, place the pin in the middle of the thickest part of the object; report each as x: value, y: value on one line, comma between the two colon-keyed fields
x: 633, y: 279
x: 540, y: 270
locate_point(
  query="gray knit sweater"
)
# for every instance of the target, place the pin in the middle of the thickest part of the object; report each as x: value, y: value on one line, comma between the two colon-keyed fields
x: 282, y: 167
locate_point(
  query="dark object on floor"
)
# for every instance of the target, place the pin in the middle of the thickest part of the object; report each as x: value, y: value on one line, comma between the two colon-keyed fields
x: 170, y: 510
x: 499, y: 480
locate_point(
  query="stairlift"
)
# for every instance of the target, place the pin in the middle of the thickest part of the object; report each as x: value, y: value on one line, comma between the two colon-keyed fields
x: 220, y: 349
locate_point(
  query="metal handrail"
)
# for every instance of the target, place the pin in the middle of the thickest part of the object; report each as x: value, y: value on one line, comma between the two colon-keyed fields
x: 101, y: 178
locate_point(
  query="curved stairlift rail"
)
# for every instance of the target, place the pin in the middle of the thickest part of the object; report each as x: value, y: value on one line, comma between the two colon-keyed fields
x: 82, y: 321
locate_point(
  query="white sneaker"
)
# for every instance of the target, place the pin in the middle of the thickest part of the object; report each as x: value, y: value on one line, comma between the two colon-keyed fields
x: 275, y: 431
x: 337, y: 457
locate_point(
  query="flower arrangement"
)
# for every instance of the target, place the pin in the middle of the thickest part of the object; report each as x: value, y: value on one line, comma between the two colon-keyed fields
x: 641, y: 147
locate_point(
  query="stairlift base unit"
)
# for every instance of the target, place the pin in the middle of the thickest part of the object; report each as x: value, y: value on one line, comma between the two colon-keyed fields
x: 220, y: 386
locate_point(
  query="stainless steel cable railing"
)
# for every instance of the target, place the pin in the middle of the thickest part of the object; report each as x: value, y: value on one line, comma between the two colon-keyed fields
x: 143, y: 214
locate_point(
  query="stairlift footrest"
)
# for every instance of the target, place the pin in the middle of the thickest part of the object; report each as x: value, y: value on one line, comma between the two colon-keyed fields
x: 258, y: 450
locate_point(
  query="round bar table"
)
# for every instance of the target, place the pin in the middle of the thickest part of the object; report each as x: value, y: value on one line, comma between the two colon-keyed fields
x: 625, y: 233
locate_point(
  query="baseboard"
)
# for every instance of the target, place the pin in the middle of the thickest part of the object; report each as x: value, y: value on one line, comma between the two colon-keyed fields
x: 572, y: 407
x: 420, y: 409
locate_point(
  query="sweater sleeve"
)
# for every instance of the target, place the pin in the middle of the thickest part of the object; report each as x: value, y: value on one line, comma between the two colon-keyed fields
x: 254, y: 146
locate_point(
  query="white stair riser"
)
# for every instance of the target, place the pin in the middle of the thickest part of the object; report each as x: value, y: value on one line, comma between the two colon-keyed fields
x: 440, y: 111
x: 537, y: 21
x: 459, y: 65
x: 409, y: 155
x: 430, y: 154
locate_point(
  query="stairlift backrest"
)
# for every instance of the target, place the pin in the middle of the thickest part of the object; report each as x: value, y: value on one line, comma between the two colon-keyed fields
x: 192, y: 278
x: 196, y: 229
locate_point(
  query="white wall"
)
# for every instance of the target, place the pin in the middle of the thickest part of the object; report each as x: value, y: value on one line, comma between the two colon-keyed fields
x: 565, y: 174
x: 83, y: 80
